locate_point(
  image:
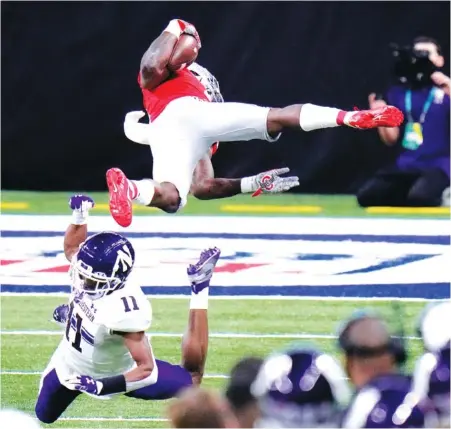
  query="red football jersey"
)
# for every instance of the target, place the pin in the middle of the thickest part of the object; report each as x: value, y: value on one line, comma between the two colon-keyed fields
x: 183, y: 84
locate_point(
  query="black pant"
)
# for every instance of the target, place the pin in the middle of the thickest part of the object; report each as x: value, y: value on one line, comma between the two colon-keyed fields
x: 395, y: 188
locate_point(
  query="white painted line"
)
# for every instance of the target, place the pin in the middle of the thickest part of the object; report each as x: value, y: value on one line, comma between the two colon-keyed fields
x: 6, y: 372
x: 243, y: 297
x: 238, y: 225
x: 211, y: 335
x: 113, y: 419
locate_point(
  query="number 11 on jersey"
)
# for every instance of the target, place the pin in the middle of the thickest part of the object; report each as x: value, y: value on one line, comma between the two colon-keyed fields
x: 125, y: 301
x: 78, y: 320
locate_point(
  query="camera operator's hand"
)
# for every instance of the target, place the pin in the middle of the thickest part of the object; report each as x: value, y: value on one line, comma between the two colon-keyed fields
x: 375, y: 104
x: 388, y: 135
x: 442, y: 81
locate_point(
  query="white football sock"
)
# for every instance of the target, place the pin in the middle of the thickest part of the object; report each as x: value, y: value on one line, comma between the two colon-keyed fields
x: 199, y: 301
x: 146, y: 191
x: 314, y: 117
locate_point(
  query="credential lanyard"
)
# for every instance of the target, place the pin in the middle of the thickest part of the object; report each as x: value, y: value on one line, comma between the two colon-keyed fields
x: 426, y: 105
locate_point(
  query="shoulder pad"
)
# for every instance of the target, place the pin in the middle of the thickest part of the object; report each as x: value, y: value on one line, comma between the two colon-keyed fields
x: 129, y: 311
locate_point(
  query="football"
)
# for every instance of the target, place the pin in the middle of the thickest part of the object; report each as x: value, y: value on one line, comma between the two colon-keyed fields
x: 185, y: 52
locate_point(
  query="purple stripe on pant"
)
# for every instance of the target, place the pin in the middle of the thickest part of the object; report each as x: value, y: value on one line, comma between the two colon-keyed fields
x: 54, y: 398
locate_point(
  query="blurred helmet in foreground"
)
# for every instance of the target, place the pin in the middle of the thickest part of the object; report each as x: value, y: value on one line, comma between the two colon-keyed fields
x: 300, y: 388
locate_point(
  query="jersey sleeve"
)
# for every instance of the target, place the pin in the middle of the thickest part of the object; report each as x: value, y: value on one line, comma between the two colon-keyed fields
x: 130, y: 312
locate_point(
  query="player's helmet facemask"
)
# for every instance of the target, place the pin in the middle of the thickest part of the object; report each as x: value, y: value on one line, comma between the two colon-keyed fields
x: 102, y: 264
x: 300, y: 388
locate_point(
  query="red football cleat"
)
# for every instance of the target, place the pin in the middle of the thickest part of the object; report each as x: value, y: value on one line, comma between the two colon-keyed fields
x: 386, y: 116
x: 120, y: 202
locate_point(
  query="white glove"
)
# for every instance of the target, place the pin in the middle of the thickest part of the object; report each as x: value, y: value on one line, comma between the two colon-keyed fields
x: 269, y: 182
x: 80, y: 204
x: 134, y: 130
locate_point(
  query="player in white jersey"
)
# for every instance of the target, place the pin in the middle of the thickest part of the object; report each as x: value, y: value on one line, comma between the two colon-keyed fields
x: 104, y: 350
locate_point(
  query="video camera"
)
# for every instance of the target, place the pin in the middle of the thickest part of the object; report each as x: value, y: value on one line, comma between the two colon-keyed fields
x: 412, y: 67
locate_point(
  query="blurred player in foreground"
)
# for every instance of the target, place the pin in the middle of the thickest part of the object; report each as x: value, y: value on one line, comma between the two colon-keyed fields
x: 238, y: 391
x: 201, y: 408
x: 188, y: 117
x: 300, y: 387
x: 432, y: 371
x: 384, y: 398
x: 16, y: 419
x: 105, y: 350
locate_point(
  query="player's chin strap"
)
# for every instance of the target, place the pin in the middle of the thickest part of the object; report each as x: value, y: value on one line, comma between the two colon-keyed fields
x: 134, y: 130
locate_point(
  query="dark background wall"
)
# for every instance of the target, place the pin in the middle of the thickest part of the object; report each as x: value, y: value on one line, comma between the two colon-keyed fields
x: 69, y: 76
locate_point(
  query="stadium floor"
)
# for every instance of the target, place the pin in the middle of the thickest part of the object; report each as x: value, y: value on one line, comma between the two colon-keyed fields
x: 317, y: 269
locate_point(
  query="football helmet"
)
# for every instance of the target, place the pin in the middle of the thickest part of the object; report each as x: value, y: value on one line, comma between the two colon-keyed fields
x: 432, y: 325
x: 102, y: 264
x: 208, y: 81
x: 431, y: 380
x: 300, y: 388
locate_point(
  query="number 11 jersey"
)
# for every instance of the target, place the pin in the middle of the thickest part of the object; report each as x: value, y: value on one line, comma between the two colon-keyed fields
x: 91, y: 344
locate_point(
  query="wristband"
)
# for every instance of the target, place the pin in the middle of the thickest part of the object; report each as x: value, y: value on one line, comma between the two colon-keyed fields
x: 80, y: 217
x: 248, y: 185
x: 174, y: 28
x: 111, y: 385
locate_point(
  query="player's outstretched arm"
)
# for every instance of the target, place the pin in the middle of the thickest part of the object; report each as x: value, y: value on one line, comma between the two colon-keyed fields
x: 154, y: 62
x: 77, y: 231
x: 206, y: 187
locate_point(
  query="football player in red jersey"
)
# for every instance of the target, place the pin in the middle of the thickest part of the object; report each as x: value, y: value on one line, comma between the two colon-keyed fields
x: 187, y: 117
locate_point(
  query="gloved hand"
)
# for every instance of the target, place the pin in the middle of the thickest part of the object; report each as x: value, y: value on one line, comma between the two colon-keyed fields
x: 80, y: 204
x: 84, y: 383
x: 269, y: 182
x: 60, y: 314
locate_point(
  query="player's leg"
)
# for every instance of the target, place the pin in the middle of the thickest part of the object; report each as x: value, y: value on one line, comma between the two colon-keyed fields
x: 176, y: 149
x: 171, y: 379
x: 195, y: 340
x: 239, y: 121
x: 168, y: 190
x: 310, y: 117
x: 53, y: 397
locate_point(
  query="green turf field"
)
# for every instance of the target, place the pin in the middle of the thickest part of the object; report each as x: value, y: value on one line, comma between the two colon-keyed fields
x: 274, y: 205
x: 264, y: 325
x: 238, y: 327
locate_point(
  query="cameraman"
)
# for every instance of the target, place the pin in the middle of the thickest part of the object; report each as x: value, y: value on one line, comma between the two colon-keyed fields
x: 422, y: 170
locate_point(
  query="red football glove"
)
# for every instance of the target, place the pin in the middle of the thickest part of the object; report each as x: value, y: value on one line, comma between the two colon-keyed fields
x: 177, y: 27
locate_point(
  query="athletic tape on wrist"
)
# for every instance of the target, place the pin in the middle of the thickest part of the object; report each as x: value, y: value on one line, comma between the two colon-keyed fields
x: 79, y: 217
x: 248, y: 185
x: 116, y: 384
